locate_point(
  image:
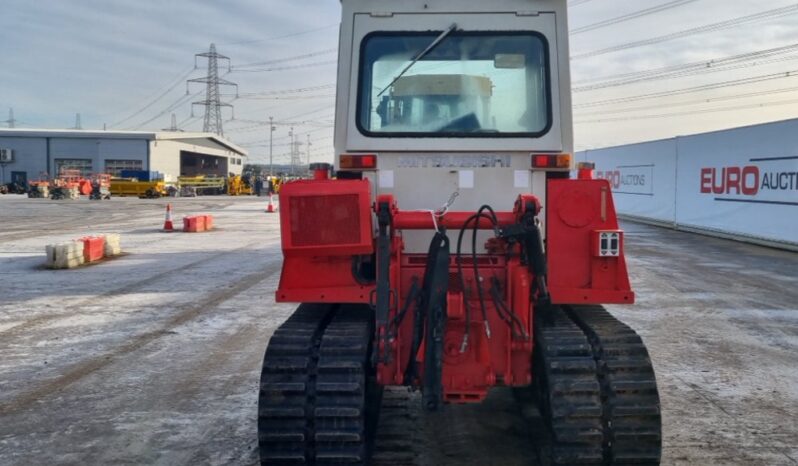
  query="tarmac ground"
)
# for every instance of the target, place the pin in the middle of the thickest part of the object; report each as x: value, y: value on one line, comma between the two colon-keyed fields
x: 154, y: 357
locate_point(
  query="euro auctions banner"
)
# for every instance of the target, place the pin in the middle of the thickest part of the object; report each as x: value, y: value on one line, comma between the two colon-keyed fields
x: 642, y: 177
x: 742, y: 181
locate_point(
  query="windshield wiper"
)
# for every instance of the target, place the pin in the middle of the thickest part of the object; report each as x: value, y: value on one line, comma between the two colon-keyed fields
x: 421, y: 55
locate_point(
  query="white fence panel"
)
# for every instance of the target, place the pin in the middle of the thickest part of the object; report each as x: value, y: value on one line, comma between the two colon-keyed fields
x: 742, y: 181
x: 642, y: 176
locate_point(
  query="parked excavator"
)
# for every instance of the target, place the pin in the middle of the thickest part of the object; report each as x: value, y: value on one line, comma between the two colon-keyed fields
x: 457, y: 248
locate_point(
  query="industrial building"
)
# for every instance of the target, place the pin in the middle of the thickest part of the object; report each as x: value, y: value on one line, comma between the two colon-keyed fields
x: 28, y: 154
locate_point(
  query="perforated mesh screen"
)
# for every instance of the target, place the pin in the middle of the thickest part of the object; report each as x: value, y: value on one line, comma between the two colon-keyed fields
x: 325, y: 220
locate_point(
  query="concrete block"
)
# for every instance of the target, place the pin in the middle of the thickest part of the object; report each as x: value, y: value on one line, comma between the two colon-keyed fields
x: 50, y: 251
x: 112, y: 245
x: 70, y: 263
x: 65, y: 255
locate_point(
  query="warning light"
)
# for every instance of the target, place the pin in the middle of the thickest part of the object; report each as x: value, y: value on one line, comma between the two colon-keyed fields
x: 585, y: 170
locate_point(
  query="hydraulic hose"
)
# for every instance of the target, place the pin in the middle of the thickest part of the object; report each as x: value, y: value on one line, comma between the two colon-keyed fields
x: 459, y: 261
x: 507, y: 314
x: 476, y: 264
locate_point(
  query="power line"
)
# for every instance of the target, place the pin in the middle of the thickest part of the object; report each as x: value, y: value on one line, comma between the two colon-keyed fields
x: 631, y: 16
x: 289, y: 91
x: 688, y: 69
x: 287, y: 59
x: 183, y: 75
x: 706, y: 69
x: 290, y: 97
x: 275, y: 105
x: 182, y: 100
x: 261, y: 144
x: 314, y: 130
x: 286, y: 144
x: 692, y: 102
x: 284, y: 36
x: 705, y: 87
x: 769, y: 14
x: 314, y: 123
x: 311, y: 112
x: 260, y: 123
x: 694, y: 112
x: 284, y: 68
x: 310, y: 131
x: 185, y: 122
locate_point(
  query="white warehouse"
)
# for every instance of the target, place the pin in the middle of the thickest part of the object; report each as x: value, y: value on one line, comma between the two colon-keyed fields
x: 27, y: 154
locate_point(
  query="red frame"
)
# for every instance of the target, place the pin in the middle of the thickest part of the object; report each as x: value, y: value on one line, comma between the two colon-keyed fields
x: 575, y: 211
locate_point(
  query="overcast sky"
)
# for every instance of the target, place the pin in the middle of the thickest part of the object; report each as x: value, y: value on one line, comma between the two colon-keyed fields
x: 124, y: 64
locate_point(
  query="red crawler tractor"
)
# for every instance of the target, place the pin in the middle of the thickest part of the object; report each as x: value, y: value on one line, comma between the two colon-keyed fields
x: 465, y: 104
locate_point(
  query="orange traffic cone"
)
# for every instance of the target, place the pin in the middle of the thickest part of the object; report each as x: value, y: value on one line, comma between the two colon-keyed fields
x: 270, y: 208
x: 168, y: 226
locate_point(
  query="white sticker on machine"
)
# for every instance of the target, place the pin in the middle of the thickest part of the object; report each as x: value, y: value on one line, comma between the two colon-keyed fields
x: 521, y: 179
x: 386, y: 179
x: 466, y: 179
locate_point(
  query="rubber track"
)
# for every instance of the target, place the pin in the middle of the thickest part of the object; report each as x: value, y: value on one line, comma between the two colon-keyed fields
x: 312, y: 403
x: 341, y: 431
x: 399, y: 430
x: 571, y: 395
x: 287, y: 387
x: 631, y: 405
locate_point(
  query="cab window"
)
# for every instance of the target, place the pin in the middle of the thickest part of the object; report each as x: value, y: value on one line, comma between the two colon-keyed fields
x: 469, y: 84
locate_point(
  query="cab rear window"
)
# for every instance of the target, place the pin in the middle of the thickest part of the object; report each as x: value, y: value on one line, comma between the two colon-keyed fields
x: 484, y: 84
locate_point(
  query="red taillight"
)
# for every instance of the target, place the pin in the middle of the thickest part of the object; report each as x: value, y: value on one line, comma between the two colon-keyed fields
x: 358, y: 162
x: 551, y: 161
x: 541, y: 161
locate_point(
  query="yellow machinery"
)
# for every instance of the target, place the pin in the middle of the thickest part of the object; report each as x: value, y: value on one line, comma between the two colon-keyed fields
x: 276, y: 182
x: 203, y: 184
x: 239, y: 186
x: 143, y: 189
